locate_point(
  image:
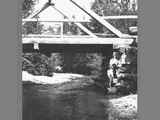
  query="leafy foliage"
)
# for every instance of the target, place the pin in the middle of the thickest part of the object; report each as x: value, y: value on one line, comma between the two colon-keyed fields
x: 27, y: 8
x: 37, y: 64
x: 82, y: 63
x: 107, y: 8
x: 130, y: 70
x: 32, y: 28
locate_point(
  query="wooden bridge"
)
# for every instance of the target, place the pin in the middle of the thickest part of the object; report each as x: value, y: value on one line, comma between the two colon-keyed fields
x: 90, y: 38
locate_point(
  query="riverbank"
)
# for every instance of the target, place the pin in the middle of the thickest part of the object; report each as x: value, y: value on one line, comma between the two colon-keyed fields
x: 123, y: 108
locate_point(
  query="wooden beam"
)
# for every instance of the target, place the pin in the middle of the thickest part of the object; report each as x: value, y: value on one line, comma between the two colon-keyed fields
x: 61, y: 32
x: 55, y: 36
x: 99, y: 19
x: 66, y: 36
x: 77, y: 40
x: 104, y: 34
x: 60, y: 12
x: 52, y: 20
x: 120, y: 17
x: 86, y: 30
x: 40, y: 36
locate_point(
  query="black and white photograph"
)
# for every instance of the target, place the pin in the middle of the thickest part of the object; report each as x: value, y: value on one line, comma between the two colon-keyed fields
x: 79, y: 59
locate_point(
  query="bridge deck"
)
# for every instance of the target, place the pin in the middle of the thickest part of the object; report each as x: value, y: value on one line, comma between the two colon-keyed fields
x: 74, y: 40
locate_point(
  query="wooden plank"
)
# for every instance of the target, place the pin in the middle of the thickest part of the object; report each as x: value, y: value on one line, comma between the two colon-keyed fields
x: 86, y: 30
x: 77, y: 40
x: 53, y: 20
x: 55, y: 36
x: 104, y: 35
x: 61, y: 32
x: 41, y: 36
x: 60, y: 12
x: 120, y: 17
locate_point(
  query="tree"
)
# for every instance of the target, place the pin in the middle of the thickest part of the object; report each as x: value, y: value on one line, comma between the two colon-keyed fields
x: 36, y: 64
x: 113, y: 7
x: 30, y: 27
x: 27, y: 8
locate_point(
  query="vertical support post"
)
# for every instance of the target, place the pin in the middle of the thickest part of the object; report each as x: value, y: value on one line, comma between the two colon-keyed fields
x: 61, y: 32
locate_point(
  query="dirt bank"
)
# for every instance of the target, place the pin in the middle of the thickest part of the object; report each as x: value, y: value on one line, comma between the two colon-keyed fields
x: 123, y: 108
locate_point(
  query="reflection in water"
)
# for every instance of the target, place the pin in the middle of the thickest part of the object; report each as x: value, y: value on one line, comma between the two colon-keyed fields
x: 45, y: 103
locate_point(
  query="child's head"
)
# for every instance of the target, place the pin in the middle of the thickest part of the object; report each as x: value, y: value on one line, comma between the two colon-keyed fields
x: 116, y: 55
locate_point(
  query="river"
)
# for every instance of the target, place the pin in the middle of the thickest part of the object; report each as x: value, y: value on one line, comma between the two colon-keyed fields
x: 46, y: 102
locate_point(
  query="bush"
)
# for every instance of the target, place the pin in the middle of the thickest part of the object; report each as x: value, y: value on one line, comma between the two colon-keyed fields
x: 36, y: 64
x: 130, y: 73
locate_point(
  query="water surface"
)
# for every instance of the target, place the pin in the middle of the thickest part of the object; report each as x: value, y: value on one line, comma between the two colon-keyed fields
x: 45, y: 102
